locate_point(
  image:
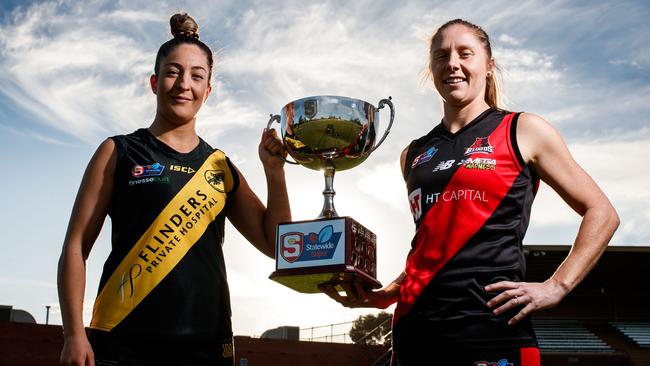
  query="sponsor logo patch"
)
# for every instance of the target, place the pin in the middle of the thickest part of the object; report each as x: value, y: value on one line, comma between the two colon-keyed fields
x: 479, y: 163
x: 502, y: 362
x: 149, y: 180
x: 444, y: 165
x: 456, y: 195
x: 182, y: 169
x: 152, y: 170
x: 424, y: 157
x: 415, y: 200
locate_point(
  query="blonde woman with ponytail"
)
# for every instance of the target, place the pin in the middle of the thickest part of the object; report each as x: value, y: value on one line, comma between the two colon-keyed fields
x: 461, y: 299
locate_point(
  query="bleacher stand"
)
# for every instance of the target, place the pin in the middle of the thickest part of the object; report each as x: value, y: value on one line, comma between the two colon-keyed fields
x: 637, y: 332
x: 567, y: 336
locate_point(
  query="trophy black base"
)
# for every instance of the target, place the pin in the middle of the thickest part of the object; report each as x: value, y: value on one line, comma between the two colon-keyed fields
x: 325, y: 252
x: 308, y: 282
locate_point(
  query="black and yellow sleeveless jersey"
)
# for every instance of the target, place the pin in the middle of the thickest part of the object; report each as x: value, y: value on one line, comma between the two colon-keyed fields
x: 165, y: 277
x: 470, y: 194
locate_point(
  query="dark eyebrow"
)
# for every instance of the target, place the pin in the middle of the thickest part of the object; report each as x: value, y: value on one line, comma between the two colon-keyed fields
x: 439, y: 51
x: 180, y: 67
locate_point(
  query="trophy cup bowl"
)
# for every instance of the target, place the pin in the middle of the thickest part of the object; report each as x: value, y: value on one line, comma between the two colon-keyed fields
x: 328, y: 133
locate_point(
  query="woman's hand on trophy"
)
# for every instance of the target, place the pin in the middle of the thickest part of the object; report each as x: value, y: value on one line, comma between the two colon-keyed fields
x: 358, y: 297
x: 271, y: 150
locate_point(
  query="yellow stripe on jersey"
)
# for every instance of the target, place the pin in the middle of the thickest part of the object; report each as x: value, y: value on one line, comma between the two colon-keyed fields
x: 169, y: 237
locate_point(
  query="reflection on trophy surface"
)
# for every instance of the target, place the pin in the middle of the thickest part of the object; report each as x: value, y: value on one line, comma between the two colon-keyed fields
x: 328, y: 133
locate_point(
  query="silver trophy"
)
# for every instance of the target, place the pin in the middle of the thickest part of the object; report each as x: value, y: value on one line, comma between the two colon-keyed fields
x: 328, y: 133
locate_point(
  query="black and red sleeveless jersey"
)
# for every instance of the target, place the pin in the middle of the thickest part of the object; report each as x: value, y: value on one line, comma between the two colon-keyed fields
x: 470, y: 194
x: 193, y: 301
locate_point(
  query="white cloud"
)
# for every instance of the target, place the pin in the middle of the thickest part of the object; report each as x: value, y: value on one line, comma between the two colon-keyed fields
x: 620, y: 62
x: 612, y: 166
x: 509, y: 40
x: 382, y: 182
x: 72, y: 74
x: 36, y: 135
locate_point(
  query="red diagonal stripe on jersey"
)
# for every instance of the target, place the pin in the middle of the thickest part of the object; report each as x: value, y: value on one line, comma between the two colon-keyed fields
x: 438, y: 238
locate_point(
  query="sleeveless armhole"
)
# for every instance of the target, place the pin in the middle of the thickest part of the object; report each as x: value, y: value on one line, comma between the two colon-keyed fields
x: 120, y: 149
x: 120, y: 146
x: 515, y: 149
x: 513, y: 141
x: 235, y: 180
x: 409, y: 157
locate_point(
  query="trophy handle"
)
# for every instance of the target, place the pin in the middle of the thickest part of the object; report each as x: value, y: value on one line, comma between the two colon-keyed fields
x: 381, y: 105
x: 276, y: 118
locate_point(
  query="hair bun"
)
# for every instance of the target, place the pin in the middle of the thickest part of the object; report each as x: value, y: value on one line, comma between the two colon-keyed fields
x: 183, y: 25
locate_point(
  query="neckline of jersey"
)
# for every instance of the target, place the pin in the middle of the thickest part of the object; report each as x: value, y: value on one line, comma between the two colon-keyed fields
x: 173, y: 153
x: 452, y: 135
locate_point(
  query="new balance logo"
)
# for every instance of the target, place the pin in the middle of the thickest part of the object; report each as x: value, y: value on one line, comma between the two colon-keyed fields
x: 444, y: 165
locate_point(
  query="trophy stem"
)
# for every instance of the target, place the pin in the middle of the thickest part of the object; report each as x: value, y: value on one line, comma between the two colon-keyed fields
x: 328, y: 193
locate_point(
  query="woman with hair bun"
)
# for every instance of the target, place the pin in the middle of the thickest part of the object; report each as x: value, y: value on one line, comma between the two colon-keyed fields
x: 471, y: 180
x: 163, y: 296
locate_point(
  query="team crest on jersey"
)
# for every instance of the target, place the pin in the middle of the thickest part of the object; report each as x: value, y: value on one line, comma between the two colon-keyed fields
x: 480, y: 146
x: 216, y: 179
x: 152, y: 170
x: 502, y: 362
x: 424, y: 157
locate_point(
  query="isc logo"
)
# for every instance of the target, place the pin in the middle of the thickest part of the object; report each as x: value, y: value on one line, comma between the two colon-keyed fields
x: 291, y: 246
x: 183, y: 169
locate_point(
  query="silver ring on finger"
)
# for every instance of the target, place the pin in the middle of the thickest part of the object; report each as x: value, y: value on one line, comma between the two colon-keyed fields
x: 516, y: 300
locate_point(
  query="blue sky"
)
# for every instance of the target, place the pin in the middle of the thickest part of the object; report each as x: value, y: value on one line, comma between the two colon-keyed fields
x: 73, y: 73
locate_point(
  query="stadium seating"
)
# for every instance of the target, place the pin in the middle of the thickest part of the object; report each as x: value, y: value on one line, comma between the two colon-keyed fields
x: 637, y: 332
x: 567, y: 336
